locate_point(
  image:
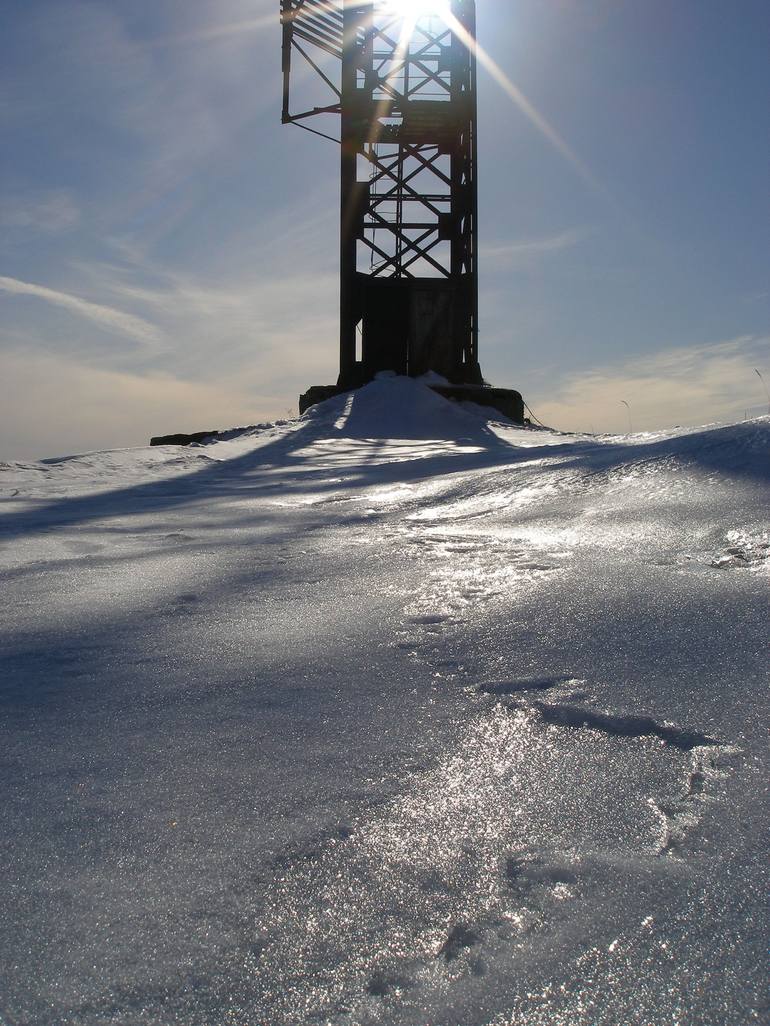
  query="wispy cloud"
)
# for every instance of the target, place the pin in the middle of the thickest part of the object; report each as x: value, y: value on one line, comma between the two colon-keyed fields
x: 525, y: 251
x: 687, y: 385
x: 113, y: 320
x: 50, y: 406
x: 253, y: 324
x: 157, y: 116
x: 239, y: 350
x: 53, y: 211
x: 211, y: 33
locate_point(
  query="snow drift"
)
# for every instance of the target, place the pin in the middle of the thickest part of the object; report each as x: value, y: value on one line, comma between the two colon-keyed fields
x: 393, y: 714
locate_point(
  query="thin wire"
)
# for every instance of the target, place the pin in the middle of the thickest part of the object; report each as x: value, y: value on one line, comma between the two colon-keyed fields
x: 528, y: 408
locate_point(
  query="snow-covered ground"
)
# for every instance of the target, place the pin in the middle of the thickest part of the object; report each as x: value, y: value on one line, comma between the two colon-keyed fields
x: 392, y: 714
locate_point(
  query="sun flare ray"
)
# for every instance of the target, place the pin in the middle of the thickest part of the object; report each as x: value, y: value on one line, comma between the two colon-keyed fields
x: 529, y: 111
x: 411, y: 11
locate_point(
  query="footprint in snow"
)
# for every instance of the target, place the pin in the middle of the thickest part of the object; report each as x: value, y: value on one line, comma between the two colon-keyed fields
x: 513, y: 687
x: 745, y: 550
x: 679, y: 815
x: 458, y: 940
x: 429, y: 619
x: 381, y: 983
x: 185, y: 604
x: 83, y: 548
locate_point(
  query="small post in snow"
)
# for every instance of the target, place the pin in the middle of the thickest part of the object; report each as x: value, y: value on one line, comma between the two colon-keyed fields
x: 628, y: 408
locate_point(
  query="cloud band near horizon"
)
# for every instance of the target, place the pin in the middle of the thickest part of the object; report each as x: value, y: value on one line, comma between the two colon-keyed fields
x: 116, y: 321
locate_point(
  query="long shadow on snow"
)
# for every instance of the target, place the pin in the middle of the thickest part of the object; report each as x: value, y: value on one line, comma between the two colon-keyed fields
x: 283, y: 466
x: 741, y: 450
x: 280, y: 467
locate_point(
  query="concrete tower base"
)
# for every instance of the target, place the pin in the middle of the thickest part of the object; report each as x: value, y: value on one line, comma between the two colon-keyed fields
x: 505, y: 400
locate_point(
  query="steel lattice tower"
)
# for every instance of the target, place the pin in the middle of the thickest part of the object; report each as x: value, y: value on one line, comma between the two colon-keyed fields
x: 405, y: 93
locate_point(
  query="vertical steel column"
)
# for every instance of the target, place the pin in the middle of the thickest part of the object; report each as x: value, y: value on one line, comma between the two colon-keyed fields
x: 464, y: 189
x: 350, y: 139
x: 470, y: 24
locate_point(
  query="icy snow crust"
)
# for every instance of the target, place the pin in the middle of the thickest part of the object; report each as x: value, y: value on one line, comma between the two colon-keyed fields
x: 393, y: 714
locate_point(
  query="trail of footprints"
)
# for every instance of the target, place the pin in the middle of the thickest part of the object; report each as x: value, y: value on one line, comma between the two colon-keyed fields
x: 488, y: 566
x: 462, y: 571
x: 448, y: 872
x: 420, y: 890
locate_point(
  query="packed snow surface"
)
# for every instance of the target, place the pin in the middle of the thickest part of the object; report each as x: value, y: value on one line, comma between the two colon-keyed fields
x: 393, y: 714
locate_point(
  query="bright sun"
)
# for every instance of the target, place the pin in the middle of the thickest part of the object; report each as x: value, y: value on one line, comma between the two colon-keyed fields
x: 416, y: 8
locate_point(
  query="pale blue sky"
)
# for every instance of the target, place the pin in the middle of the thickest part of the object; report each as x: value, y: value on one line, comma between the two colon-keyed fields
x: 168, y: 251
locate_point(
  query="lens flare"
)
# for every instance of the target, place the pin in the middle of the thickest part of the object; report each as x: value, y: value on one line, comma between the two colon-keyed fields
x: 414, y: 9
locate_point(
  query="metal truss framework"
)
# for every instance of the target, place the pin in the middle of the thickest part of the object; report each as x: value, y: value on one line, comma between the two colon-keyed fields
x: 406, y: 99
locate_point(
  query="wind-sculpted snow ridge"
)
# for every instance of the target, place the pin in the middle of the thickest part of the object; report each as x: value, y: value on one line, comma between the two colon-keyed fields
x: 570, y: 714
x: 396, y: 714
x: 622, y: 725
